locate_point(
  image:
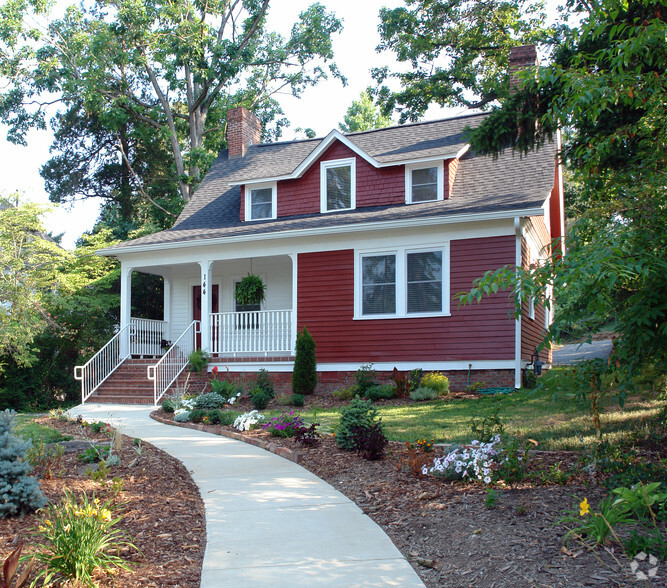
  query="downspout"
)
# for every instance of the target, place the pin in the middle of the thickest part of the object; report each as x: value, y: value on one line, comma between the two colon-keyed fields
x: 517, y: 321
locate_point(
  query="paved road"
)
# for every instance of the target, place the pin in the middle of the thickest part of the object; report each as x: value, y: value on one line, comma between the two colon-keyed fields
x: 269, y: 522
x: 575, y: 352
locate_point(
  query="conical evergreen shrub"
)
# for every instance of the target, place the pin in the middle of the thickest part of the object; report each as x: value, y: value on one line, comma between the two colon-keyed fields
x: 304, y: 376
x: 19, y: 492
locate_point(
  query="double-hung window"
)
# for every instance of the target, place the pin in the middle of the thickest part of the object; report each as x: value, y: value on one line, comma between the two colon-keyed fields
x: 402, y: 283
x: 260, y: 203
x: 337, y: 185
x: 424, y: 182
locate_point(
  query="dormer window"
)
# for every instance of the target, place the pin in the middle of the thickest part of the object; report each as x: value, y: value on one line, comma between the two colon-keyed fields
x: 337, y: 185
x: 424, y: 182
x: 260, y: 202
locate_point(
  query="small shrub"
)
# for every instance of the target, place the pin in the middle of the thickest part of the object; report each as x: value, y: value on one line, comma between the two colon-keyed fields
x: 346, y: 393
x: 415, y: 379
x: 365, y: 377
x: 401, y: 383
x: 210, y: 401
x: 380, y: 392
x: 475, y: 387
x: 307, y: 436
x: 81, y: 539
x: 358, y: 414
x: 260, y: 398
x: 168, y: 406
x: 514, y: 466
x: 113, y: 460
x: 491, y: 497
x: 248, y: 420
x: 423, y: 393
x: 437, y: 381
x: 197, y: 415
x: 415, y: 461
x: 94, y: 454
x: 20, y: 493
x: 485, y: 429
x: 225, y: 388
x: 291, y: 400
x: 263, y: 382
x: 284, y: 425
x: 182, y: 417
x: 98, y: 427
x: 370, y: 442
x: 198, y: 360
x: 529, y: 379
x: 46, y: 459
x: 304, y: 376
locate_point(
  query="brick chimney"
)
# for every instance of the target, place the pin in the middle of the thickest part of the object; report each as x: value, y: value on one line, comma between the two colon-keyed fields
x: 521, y: 57
x: 243, y: 130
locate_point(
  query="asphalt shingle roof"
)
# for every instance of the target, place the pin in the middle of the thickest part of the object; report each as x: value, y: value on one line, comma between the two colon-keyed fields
x: 510, y: 182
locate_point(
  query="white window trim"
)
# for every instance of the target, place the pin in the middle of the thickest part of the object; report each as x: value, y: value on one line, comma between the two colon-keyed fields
x: 324, y: 166
x: 440, y: 188
x: 248, y: 200
x: 401, y: 254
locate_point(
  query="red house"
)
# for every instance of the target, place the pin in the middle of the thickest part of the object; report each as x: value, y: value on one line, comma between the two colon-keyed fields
x: 364, y: 238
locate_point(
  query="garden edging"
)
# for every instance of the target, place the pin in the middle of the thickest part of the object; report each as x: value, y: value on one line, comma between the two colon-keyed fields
x: 285, y: 452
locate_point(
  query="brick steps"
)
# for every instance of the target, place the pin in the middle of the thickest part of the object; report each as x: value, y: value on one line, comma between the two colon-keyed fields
x: 129, y: 384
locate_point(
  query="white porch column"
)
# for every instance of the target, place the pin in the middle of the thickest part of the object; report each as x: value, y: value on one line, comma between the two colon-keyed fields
x: 166, y: 307
x: 295, y: 281
x: 206, y: 306
x: 125, y: 305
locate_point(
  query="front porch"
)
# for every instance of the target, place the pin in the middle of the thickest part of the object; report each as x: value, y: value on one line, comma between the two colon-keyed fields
x: 200, y: 312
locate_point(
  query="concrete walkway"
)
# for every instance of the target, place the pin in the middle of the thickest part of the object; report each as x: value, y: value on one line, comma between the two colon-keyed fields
x: 576, y: 352
x: 269, y: 522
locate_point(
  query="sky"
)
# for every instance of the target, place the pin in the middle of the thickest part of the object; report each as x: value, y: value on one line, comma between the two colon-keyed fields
x: 320, y: 108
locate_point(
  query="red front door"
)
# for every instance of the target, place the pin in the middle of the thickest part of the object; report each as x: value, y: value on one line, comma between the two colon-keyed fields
x: 196, y: 306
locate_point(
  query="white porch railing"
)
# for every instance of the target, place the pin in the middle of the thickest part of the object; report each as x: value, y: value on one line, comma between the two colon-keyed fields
x: 146, y: 336
x: 173, y: 362
x: 257, y: 331
x: 99, y: 367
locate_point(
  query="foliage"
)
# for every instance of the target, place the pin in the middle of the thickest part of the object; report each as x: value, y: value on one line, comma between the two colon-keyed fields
x: 401, y: 383
x: 95, y: 453
x: 30, y: 430
x: 210, y: 401
x: 491, y: 497
x: 291, y: 400
x: 304, y: 376
x: 359, y: 414
x: 225, y: 388
x: 363, y: 115
x: 423, y: 393
x: 250, y: 290
x: 370, y: 441
x: 606, y: 87
x: 263, y: 382
x: 380, y: 391
x: 456, y: 51
x: 10, y: 568
x: 46, y: 460
x: 346, y: 393
x: 437, y: 381
x: 154, y: 75
x: 227, y: 417
x: 284, y: 425
x: 260, y: 398
x: 486, y: 428
x: 365, y: 377
x: 248, y: 420
x: 516, y: 459
x: 477, y: 461
x: 182, y: 417
x: 307, y: 436
x: 597, y: 525
x: 80, y: 540
x: 198, y: 361
x: 415, y: 460
x: 168, y: 406
x: 20, y: 492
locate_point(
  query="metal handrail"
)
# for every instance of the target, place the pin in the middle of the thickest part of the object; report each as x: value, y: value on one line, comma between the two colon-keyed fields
x: 99, y: 367
x: 165, y: 372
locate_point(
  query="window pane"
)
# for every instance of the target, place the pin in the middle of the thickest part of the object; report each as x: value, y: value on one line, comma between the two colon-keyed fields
x: 339, y: 187
x: 425, y: 184
x: 425, y: 281
x: 379, y: 284
x: 261, y: 203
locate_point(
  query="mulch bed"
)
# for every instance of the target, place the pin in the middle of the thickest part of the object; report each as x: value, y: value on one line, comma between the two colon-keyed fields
x: 163, y: 512
x: 446, y: 530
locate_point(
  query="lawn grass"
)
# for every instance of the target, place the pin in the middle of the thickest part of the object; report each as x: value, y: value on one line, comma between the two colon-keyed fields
x: 26, y: 427
x: 555, y: 420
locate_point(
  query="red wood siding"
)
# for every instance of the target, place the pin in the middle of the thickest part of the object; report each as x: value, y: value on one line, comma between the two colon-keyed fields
x: 481, y: 331
x: 375, y: 187
x: 532, y: 330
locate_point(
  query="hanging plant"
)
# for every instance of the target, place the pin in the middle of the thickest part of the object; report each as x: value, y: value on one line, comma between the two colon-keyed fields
x: 250, y: 290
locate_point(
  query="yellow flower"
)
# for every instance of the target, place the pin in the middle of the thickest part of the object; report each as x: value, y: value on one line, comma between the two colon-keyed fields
x: 66, y: 528
x: 96, y: 501
x: 584, y: 507
x: 105, y: 515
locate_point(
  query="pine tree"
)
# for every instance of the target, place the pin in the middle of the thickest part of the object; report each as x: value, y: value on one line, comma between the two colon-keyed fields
x: 19, y: 492
x: 304, y: 376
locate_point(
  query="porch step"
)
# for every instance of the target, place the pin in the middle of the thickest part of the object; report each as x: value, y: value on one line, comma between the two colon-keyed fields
x: 129, y: 384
